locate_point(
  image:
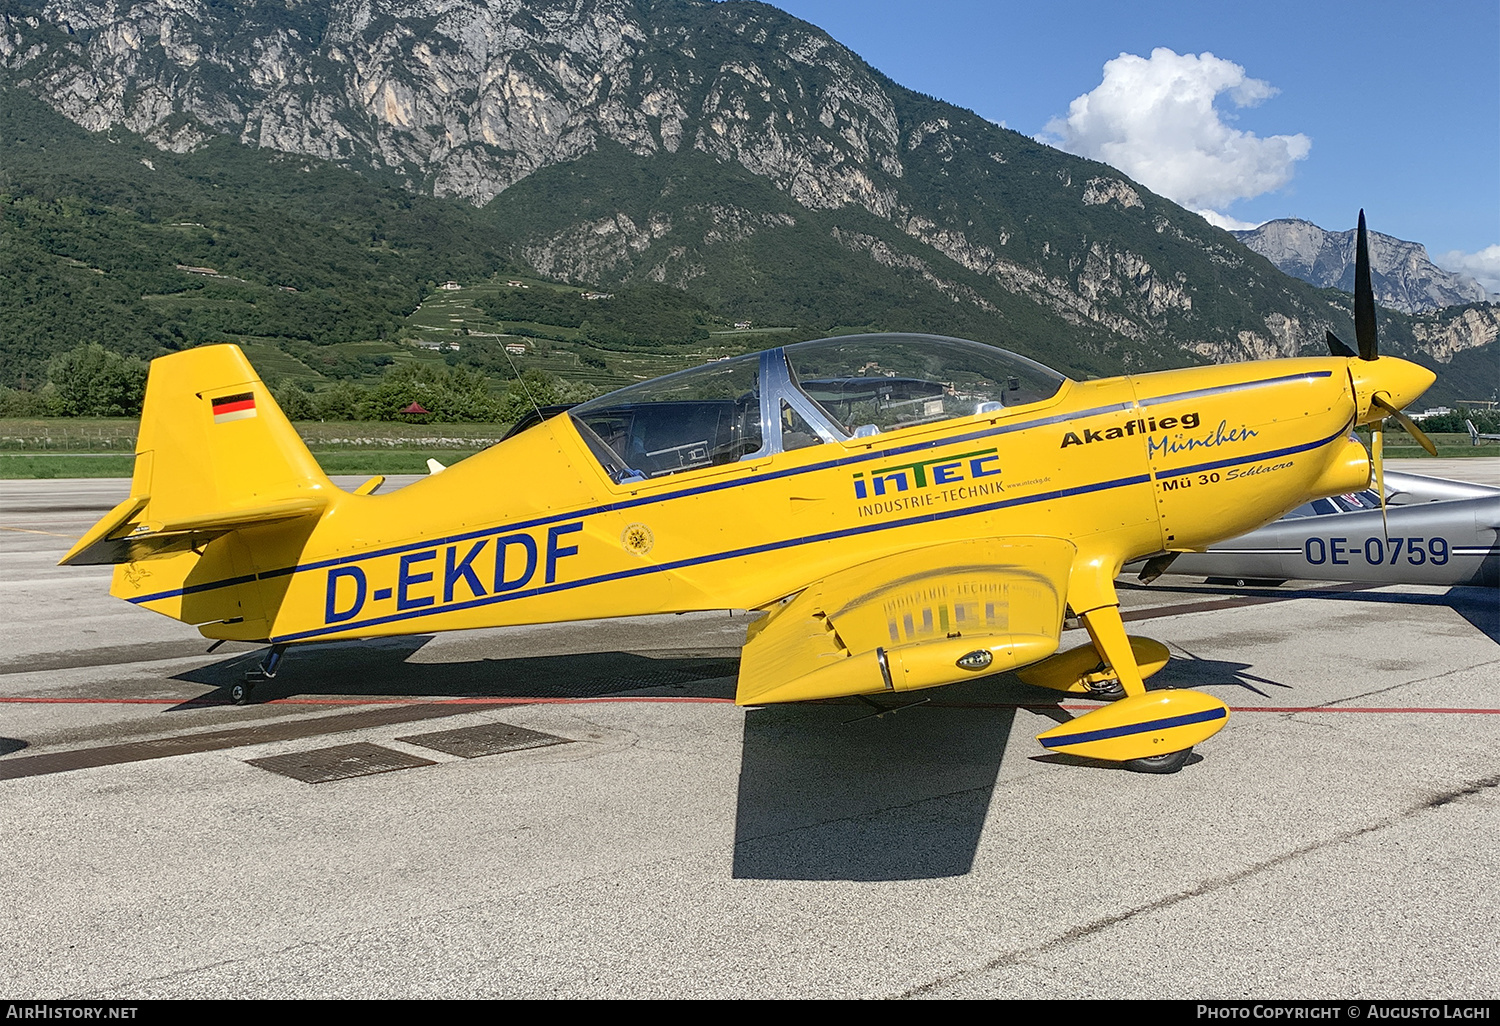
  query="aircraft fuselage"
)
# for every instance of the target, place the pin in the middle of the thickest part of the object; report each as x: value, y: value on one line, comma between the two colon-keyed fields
x: 533, y: 530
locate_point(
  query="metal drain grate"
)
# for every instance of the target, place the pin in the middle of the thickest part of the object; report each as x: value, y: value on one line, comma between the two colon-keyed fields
x: 486, y: 739
x: 322, y: 765
x: 288, y: 729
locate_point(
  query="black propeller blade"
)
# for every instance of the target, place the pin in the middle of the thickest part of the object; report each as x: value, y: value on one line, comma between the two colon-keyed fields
x: 1364, y: 296
x: 1156, y: 566
x: 1364, y: 337
x: 1336, y: 345
x: 1407, y: 423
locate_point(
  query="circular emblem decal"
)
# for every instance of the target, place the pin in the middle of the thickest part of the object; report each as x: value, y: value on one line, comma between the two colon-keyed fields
x: 638, y: 539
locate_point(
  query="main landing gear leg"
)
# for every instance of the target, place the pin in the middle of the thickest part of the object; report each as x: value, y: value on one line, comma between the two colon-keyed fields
x: 1107, y: 631
x: 239, y: 693
x: 1146, y: 732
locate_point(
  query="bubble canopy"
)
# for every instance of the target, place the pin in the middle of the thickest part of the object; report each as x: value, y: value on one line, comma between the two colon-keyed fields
x: 802, y: 395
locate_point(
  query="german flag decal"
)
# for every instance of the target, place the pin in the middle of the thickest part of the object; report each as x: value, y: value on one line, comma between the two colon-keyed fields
x: 234, y: 407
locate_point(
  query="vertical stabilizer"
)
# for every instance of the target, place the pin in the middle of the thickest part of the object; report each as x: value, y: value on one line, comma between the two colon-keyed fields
x: 215, y: 453
x: 222, y: 483
x: 213, y: 440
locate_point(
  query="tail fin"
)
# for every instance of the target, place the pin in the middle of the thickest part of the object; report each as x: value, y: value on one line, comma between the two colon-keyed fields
x: 1473, y: 432
x: 215, y: 454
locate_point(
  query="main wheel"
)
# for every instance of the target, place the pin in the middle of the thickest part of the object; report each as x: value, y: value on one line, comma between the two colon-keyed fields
x: 239, y: 693
x: 1107, y: 691
x: 1170, y: 762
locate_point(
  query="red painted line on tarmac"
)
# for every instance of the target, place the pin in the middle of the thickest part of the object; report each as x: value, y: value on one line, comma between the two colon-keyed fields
x: 1357, y: 709
x: 682, y: 699
x: 23, y: 700
x: 1072, y: 707
x: 700, y: 700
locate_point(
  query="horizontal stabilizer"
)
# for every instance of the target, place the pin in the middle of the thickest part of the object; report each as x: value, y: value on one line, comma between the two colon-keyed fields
x: 123, y: 537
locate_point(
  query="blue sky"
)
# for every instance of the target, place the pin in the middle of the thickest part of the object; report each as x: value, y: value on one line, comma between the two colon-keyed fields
x: 1398, y: 104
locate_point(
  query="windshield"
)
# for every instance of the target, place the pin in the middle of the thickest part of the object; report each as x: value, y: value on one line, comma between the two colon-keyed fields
x: 801, y: 396
x: 1351, y: 503
x: 891, y: 381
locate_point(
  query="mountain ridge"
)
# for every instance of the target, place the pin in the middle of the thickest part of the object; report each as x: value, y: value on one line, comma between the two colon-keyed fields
x: 1404, y: 277
x: 622, y: 141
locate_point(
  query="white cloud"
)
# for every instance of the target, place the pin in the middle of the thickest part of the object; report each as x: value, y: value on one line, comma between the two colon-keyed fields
x: 1229, y: 224
x: 1483, y: 266
x: 1154, y: 118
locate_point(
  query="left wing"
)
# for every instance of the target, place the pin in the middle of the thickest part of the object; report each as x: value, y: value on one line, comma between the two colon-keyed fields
x: 916, y: 619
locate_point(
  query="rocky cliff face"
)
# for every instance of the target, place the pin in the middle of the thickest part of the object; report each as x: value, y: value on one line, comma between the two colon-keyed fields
x: 465, y: 97
x: 1404, y: 278
x: 1443, y: 336
x: 471, y: 98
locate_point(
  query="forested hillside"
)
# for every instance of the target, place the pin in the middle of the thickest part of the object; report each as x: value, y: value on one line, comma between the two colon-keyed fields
x: 106, y: 239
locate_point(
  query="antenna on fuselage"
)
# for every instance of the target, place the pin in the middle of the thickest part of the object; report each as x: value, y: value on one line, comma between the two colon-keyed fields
x: 522, y: 382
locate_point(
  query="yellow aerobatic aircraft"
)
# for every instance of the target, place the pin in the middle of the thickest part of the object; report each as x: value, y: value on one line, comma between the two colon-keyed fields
x: 910, y: 511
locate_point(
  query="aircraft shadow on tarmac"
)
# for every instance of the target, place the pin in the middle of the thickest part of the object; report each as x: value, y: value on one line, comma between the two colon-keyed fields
x: 1478, y: 606
x: 826, y: 791
x: 829, y: 791
x: 1187, y: 670
x: 900, y: 797
x: 1474, y: 604
x: 383, y: 668
x: 828, y: 794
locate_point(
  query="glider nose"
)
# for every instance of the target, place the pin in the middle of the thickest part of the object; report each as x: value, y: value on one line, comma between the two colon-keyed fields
x: 1397, y: 382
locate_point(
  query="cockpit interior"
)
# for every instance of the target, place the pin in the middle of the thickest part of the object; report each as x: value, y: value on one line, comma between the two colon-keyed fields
x: 1355, y: 502
x: 798, y: 396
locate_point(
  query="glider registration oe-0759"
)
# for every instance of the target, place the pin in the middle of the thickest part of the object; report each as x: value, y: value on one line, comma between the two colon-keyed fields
x: 909, y: 510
